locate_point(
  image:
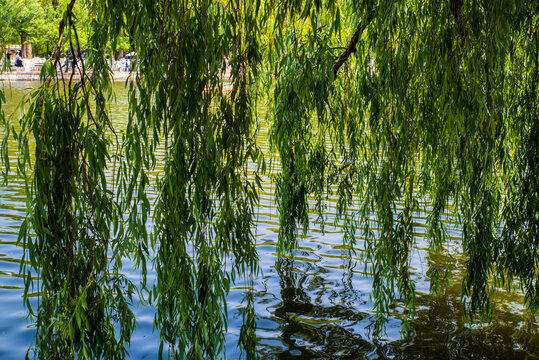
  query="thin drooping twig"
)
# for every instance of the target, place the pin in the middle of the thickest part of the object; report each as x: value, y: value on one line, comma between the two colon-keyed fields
x: 61, y: 33
x: 58, y: 51
x: 351, y: 48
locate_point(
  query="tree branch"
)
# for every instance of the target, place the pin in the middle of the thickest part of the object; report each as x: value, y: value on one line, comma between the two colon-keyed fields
x: 61, y: 29
x: 352, y: 44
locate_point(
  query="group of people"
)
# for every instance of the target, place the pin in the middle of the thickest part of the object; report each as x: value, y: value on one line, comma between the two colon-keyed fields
x: 125, y: 64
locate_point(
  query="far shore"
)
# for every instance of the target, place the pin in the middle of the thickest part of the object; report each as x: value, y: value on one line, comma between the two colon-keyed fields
x: 15, y: 76
x: 31, y: 70
x: 35, y: 75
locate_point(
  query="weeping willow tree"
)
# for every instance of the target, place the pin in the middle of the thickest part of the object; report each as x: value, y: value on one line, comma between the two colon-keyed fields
x: 396, y: 104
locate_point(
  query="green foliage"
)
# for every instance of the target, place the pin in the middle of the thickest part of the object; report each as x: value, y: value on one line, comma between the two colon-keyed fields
x: 39, y: 19
x: 71, y: 244
x: 419, y: 106
x: 20, y: 16
x: 205, y: 210
x: 394, y: 104
x: 4, y: 159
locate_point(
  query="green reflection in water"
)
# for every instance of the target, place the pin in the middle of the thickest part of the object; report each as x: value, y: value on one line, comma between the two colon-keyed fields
x: 312, y: 324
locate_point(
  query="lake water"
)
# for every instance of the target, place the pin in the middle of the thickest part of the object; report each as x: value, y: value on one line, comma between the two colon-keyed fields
x: 314, y: 305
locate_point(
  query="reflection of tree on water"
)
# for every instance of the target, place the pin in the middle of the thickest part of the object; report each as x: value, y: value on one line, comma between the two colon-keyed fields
x: 312, y: 330
x: 439, y: 332
x: 309, y: 329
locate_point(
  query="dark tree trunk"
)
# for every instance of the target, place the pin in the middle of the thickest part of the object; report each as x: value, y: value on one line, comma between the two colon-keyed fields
x: 26, y: 46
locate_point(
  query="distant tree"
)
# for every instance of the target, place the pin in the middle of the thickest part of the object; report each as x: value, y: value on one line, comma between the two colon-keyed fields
x: 23, y: 17
x: 8, y: 35
x: 34, y: 24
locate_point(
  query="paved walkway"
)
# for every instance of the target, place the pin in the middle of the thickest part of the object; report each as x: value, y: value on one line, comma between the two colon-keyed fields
x: 31, y: 70
x: 34, y: 75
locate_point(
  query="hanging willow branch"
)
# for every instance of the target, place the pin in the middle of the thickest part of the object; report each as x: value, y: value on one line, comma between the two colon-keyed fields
x: 68, y: 233
x: 351, y: 48
x: 456, y: 117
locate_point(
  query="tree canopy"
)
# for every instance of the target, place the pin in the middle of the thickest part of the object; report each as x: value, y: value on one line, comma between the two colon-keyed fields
x: 401, y: 106
x: 36, y: 22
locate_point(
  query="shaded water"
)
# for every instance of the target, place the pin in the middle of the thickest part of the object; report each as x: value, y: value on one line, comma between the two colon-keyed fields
x: 313, y: 305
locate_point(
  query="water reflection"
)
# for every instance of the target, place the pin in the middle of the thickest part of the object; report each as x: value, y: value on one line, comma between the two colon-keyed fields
x: 311, y: 328
x: 440, y: 333
x: 314, y: 304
